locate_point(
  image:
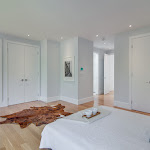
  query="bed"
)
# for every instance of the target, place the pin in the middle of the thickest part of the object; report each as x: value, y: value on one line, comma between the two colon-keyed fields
x: 120, y: 130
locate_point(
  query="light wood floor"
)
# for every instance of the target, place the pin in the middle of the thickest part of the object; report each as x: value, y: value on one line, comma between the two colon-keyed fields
x: 12, y: 137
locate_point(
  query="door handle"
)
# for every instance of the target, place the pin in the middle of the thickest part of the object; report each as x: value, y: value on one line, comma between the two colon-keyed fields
x: 26, y: 79
x: 148, y: 82
x: 22, y: 80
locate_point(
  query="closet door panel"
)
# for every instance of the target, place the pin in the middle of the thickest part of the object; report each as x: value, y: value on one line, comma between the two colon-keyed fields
x: 31, y: 73
x: 15, y: 73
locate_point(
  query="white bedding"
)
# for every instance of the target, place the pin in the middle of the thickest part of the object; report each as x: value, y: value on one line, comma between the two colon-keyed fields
x: 121, y: 130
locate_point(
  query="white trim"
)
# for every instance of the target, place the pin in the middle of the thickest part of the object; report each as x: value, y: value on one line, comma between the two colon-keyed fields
x: 1, y: 65
x: 68, y: 99
x: 52, y: 99
x: 122, y: 104
x: 130, y: 63
x: 43, y: 99
x: 3, y: 104
x: 85, y: 100
x: 139, y: 36
x: 5, y: 94
x: 22, y: 43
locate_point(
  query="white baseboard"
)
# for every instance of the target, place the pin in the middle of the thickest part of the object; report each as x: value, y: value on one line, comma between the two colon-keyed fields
x: 63, y: 98
x: 85, y: 100
x: 52, y: 99
x: 3, y: 105
x: 68, y: 99
x: 44, y: 99
x: 49, y: 99
x: 122, y: 104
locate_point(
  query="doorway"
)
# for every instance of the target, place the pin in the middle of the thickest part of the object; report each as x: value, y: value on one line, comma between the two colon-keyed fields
x: 99, y: 65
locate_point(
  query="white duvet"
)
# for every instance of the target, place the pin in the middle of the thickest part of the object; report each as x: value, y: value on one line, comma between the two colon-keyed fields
x: 121, y: 130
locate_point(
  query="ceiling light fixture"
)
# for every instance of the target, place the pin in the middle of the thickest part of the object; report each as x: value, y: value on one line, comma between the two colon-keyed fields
x: 61, y: 38
x: 28, y: 35
x: 97, y: 35
x: 103, y: 39
x: 130, y: 26
x: 104, y: 43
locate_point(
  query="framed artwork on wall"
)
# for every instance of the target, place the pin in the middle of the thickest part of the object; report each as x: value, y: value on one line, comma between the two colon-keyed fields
x: 68, y: 69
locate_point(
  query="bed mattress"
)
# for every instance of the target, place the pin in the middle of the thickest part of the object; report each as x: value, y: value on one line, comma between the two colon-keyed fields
x: 121, y: 130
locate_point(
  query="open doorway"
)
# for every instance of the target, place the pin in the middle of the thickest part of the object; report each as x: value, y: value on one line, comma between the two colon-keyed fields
x: 103, y: 78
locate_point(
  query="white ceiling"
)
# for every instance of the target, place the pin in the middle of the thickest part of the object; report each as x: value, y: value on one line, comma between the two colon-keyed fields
x: 68, y: 18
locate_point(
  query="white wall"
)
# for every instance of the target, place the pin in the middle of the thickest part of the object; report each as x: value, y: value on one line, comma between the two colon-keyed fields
x: 111, y: 72
x: 101, y: 69
x: 85, y: 54
x: 80, y: 90
x: 44, y: 70
x: 0, y: 70
x: 50, y: 70
x: 121, y: 83
x: 69, y: 89
x: 53, y: 86
x: 53, y: 70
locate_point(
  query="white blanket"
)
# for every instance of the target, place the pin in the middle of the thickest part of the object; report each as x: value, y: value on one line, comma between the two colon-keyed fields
x: 121, y: 130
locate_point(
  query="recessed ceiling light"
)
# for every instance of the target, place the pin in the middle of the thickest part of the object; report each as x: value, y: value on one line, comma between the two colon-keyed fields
x: 104, y: 43
x: 97, y: 35
x: 130, y: 26
x: 61, y: 38
x: 28, y: 35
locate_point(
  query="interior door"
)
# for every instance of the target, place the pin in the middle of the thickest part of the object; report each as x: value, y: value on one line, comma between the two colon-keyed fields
x: 141, y: 74
x: 31, y: 73
x: 106, y: 74
x: 15, y: 73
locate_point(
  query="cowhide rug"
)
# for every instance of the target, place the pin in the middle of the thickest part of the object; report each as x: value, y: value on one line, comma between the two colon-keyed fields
x: 36, y: 115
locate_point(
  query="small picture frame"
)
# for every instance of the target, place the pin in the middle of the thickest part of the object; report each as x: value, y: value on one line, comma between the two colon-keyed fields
x: 68, y: 69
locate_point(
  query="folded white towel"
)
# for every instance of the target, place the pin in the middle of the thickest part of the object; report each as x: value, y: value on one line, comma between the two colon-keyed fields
x: 78, y: 116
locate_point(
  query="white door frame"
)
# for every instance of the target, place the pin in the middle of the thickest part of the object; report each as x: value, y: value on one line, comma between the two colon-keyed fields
x: 6, y: 65
x: 130, y: 63
x: 1, y: 59
x: 98, y: 73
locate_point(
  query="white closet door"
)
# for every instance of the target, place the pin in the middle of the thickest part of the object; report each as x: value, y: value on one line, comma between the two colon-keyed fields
x: 141, y: 74
x: 31, y: 73
x: 15, y: 73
